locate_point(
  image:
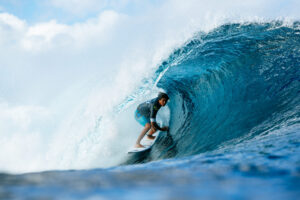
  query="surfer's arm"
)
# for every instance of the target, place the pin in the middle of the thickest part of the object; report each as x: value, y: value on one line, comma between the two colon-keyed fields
x: 154, y: 109
x: 153, y: 113
x: 155, y: 126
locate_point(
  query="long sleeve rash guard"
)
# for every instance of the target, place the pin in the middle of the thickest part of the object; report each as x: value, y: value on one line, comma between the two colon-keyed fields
x: 149, y: 109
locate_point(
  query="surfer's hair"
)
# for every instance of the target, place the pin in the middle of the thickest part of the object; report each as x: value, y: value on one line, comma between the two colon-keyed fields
x: 163, y: 95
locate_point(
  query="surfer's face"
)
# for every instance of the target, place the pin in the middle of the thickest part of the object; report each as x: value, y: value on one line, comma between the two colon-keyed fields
x: 163, y: 101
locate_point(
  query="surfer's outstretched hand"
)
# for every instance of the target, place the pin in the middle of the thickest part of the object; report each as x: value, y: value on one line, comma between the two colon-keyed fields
x: 165, y: 128
x: 151, y: 137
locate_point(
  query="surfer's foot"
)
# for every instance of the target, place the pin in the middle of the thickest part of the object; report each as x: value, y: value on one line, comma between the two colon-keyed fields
x: 151, y: 137
x: 139, y: 146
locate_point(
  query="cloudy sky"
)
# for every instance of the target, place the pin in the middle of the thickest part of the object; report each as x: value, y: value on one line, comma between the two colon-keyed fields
x: 70, y: 11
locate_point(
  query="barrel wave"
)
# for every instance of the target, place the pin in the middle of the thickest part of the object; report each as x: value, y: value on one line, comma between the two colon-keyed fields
x: 230, y: 85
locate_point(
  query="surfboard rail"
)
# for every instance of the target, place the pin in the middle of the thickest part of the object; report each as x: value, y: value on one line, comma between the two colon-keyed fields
x: 147, y: 143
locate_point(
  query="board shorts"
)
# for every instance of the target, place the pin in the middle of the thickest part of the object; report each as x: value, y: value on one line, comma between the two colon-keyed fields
x: 141, y: 119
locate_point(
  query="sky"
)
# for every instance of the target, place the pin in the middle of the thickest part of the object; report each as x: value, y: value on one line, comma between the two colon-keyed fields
x: 70, y: 11
x: 60, y: 60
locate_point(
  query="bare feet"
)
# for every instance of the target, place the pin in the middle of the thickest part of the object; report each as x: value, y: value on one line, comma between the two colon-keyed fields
x: 151, y: 137
x: 139, y: 146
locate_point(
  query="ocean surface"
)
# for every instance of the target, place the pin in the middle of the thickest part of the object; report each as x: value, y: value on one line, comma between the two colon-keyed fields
x: 234, y: 117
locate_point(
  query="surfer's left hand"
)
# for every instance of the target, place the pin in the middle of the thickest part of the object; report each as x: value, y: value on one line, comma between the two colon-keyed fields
x: 165, y: 128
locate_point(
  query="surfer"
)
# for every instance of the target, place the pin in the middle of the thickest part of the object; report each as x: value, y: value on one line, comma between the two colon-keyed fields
x: 145, y: 114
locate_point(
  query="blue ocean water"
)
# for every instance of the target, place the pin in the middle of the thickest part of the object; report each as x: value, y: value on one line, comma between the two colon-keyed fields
x: 234, y: 126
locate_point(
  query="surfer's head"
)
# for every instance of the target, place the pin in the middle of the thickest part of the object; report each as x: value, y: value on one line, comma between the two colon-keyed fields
x: 163, y: 98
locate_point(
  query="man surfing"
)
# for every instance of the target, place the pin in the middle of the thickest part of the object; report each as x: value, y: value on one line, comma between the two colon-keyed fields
x: 145, y: 114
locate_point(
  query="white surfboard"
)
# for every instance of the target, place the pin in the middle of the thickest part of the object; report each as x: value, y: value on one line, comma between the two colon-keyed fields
x: 147, y: 143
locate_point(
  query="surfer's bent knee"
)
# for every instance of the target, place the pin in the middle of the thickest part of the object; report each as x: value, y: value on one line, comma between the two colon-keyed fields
x: 148, y: 125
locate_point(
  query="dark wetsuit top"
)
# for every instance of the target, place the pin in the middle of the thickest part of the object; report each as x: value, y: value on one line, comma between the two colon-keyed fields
x: 149, y: 109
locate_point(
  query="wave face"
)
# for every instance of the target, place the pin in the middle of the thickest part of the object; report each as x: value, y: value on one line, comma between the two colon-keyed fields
x: 231, y: 84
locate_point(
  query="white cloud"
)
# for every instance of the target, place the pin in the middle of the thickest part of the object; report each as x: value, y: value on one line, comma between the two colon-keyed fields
x: 41, y: 34
x: 11, y: 29
x: 11, y: 21
x: 47, y: 30
x: 51, y: 34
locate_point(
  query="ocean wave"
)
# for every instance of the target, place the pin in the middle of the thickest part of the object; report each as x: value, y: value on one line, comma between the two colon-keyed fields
x: 231, y: 84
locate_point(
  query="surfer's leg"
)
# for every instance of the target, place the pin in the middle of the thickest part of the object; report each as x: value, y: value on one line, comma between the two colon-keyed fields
x: 144, y: 131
